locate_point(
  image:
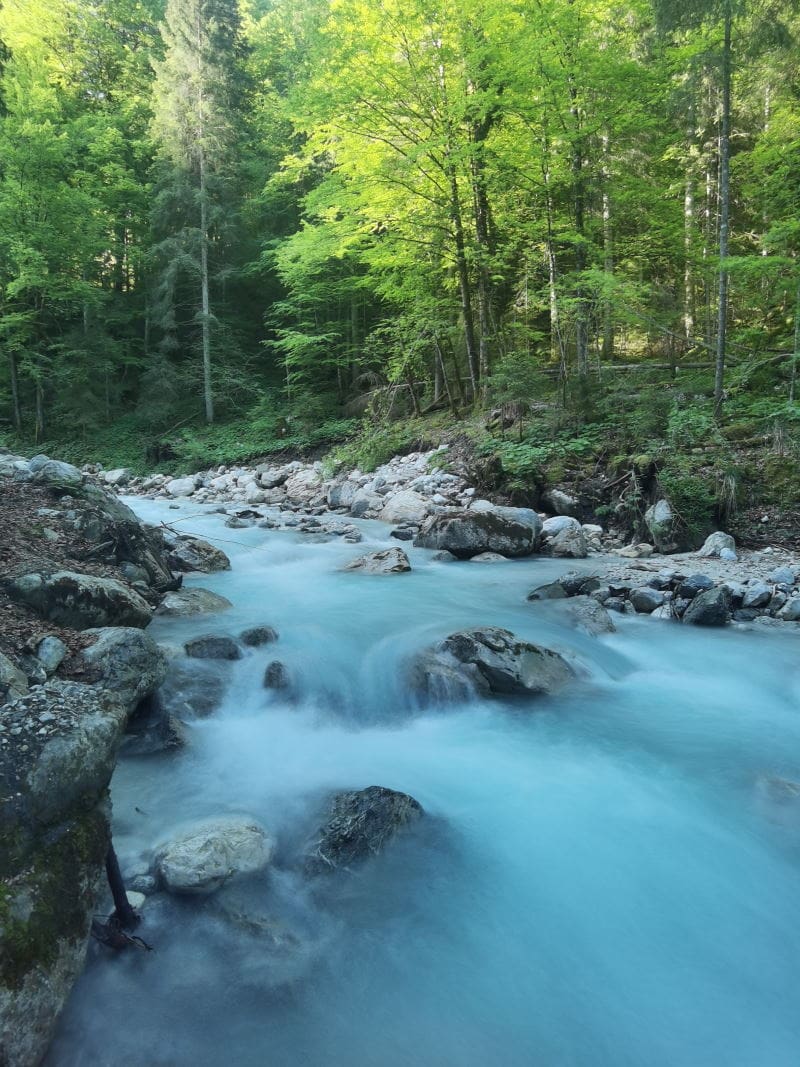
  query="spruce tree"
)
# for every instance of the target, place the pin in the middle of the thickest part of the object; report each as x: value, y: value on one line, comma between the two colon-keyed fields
x: 196, y: 99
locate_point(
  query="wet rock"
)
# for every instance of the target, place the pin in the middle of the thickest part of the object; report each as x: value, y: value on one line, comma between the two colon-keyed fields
x: 194, y: 554
x: 213, y: 646
x: 491, y: 661
x: 360, y: 824
x: 470, y: 533
x: 692, y: 586
x: 389, y: 561
x: 757, y: 595
x: 153, y: 730
x: 194, y: 688
x: 79, y: 601
x: 192, y: 602
x: 257, y: 636
x: 276, y: 676
x: 550, y: 591
x: 715, y: 543
x: 587, y: 615
x: 645, y: 599
x: 403, y: 534
x: 207, y: 855
x: 710, y: 608
x: 489, y: 557
x: 444, y: 557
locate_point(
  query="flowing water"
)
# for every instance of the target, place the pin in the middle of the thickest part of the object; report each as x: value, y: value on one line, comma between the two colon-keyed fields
x: 604, y: 878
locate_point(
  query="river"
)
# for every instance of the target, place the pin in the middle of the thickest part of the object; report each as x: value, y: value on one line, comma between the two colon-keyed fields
x: 604, y: 878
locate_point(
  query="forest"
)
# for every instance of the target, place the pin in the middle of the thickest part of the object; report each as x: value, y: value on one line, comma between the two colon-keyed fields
x: 232, y: 226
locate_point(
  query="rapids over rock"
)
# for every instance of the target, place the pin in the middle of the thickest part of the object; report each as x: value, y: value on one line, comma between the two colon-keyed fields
x: 601, y: 875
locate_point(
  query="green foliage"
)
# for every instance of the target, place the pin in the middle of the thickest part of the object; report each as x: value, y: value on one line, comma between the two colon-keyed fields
x: 692, y: 495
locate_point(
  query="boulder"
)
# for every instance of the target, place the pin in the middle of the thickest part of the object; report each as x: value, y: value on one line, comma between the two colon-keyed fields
x: 490, y: 662
x: 550, y: 591
x: 52, y: 472
x: 182, y: 486
x: 783, y: 576
x: 359, y: 824
x: 152, y: 729
x: 569, y: 543
x: 193, y: 688
x: 257, y: 636
x: 13, y: 682
x: 637, y: 551
x: 692, y: 586
x: 125, y: 661
x: 489, y: 557
x: 213, y: 646
x: 119, y: 476
x: 711, y: 608
x: 663, y: 525
x: 51, y: 652
x: 207, y: 855
x: 469, y: 533
x: 715, y: 543
x: 389, y: 561
x: 276, y: 676
x: 194, y: 554
x: 757, y: 595
x: 192, y: 602
x: 557, y: 524
x: 405, y: 506
x: 524, y: 516
x: 790, y: 612
x: 645, y: 599
x: 588, y: 615
x: 342, y: 493
x: 79, y: 601
x: 557, y: 502
x: 365, y: 501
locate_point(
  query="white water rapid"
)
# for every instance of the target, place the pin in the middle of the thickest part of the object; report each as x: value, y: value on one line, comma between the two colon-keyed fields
x: 604, y: 878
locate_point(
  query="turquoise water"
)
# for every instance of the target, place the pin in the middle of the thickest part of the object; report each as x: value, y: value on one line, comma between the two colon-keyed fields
x: 602, y: 878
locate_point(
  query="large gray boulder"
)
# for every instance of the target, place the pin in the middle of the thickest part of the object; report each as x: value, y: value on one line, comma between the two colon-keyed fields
x: 491, y: 662
x: 80, y: 601
x: 711, y: 608
x: 207, y: 855
x: 467, y: 534
x: 663, y: 525
x: 716, y: 543
x: 54, y: 473
x: 405, y: 506
x: 388, y: 561
x: 359, y: 824
x: 192, y: 602
x: 558, y: 502
x: 213, y: 646
x: 586, y: 614
x: 342, y: 493
x: 127, y: 662
x: 13, y: 682
x: 195, y: 554
x: 568, y: 543
x: 182, y: 486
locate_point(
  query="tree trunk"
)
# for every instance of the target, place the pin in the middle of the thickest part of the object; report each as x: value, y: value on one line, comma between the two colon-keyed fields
x: 204, y: 295
x: 464, y: 284
x: 579, y: 209
x: 688, y: 244
x: 796, y: 353
x: 125, y: 914
x: 16, y: 412
x: 724, y: 211
x: 608, y: 258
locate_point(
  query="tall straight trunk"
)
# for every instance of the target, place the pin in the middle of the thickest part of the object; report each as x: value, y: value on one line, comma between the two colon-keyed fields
x: 608, y: 257
x: 796, y: 353
x: 724, y: 211
x: 16, y: 411
x: 485, y: 243
x: 579, y: 209
x: 556, y: 349
x: 688, y: 244
x: 204, y: 295
x: 464, y: 283
x: 39, y: 426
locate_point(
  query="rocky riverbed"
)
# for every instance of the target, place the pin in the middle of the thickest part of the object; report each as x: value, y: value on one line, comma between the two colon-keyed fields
x: 82, y: 678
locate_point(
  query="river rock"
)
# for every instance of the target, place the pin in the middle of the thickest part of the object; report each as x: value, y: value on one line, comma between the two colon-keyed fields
x: 715, y: 543
x: 342, y: 493
x: 205, y: 856
x: 388, y: 561
x: 490, y: 661
x: 692, y: 586
x: 640, y: 550
x: 790, y: 612
x: 711, y: 608
x: 568, y: 543
x: 257, y: 636
x: 153, y: 730
x: 783, y: 576
x: 182, y: 486
x: 470, y: 533
x: 757, y: 595
x: 558, y: 502
x: 119, y: 476
x: 359, y: 825
x: 194, y: 554
x: 194, y: 688
x: 550, y: 591
x: 489, y: 557
x: 663, y: 525
x: 80, y: 601
x: 213, y: 646
x: 557, y: 524
x: 646, y: 599
x: 276, y: 676
x: 127, y: 662
x: 588, y: 615
x: 193, y: 601
x: 405, y: 506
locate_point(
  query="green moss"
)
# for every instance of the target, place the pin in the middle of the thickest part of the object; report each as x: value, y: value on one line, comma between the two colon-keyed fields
x: 48, y: 902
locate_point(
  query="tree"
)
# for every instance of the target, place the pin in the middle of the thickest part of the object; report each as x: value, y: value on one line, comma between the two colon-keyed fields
x: 196, y: 99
